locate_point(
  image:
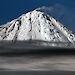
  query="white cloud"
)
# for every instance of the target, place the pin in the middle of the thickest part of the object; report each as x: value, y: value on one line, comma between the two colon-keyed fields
x: 45, y: 8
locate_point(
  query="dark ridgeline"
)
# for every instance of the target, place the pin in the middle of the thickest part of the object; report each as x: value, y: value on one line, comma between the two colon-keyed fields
x: 35, y: 47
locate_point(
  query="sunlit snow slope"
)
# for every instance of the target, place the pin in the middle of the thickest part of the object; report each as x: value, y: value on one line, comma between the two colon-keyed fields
x: 36, y: 25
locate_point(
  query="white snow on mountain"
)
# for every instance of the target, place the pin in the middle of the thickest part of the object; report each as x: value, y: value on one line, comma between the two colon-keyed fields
x: 36, y: 25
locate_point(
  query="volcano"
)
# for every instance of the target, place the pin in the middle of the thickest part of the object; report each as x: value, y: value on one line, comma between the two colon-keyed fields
x: 36, y: 25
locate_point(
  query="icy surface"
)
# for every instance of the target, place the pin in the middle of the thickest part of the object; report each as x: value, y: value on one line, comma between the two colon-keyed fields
x: 36, y: 25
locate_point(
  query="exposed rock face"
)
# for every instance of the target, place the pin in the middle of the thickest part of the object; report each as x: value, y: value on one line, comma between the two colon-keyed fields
x: 36, y: 25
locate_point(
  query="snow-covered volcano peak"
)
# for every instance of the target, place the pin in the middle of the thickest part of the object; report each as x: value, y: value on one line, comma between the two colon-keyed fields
x: 36, y: 25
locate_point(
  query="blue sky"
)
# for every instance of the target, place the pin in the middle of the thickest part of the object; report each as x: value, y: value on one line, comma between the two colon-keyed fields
x: 11, y: 9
